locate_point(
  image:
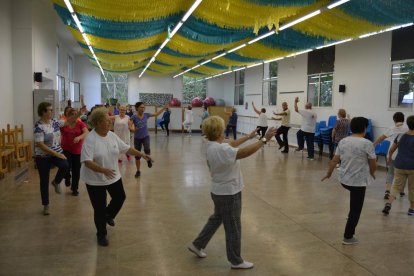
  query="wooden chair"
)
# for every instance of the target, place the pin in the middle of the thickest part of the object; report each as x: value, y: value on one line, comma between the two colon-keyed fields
x: 20, y: 153
x: 25, y: 145
x: 6, y: 154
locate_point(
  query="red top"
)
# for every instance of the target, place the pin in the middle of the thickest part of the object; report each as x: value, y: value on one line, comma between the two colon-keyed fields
x: 68, y: 134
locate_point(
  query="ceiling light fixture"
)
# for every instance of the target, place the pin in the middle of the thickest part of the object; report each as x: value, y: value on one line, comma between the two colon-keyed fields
x: 79, y: 26
x: 173, y: 32
x: 387, y: 30
x: 331, y: 6
x: 281, y: 28
x: 334, y: 43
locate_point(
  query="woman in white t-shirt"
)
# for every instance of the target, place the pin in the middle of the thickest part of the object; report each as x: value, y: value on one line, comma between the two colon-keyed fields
x: 188, y: 115
x: 358, y: 165
x: 227, y: 184
x: 100, y: 171
x: 123, y: 127
x: 262, y: 121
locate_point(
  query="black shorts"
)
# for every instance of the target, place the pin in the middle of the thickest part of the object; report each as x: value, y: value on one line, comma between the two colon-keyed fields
x: 138, y: 143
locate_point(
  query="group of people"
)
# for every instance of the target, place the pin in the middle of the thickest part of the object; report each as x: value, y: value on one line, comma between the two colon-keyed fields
x: 68, y: 143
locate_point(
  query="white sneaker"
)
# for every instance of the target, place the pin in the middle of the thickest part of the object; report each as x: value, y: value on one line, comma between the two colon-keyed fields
x: 198, y: 252
x: 243, y: 265
x: 46, y: 210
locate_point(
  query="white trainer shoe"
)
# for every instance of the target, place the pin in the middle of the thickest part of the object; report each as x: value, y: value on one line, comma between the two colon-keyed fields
x: 243, y: 265
x: 198, y: 252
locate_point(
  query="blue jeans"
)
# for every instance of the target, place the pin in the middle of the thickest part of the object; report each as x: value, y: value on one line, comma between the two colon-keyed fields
x: 43, y: 166
x: 309, y: 136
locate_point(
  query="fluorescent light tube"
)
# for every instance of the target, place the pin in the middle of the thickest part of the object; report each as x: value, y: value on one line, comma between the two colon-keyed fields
x: 294, y: 22
x: 204, y: 62
x: 254, y: 65
x: 191, y: 9
x: 219, y: 56
x: 271, y: 60
x: 175, y: 30
x: 334, y: 43
x: 237, y: 48
x: 69, y: 6
x: 336, y: 4
x: 78, y: 24
x: 261, y: 37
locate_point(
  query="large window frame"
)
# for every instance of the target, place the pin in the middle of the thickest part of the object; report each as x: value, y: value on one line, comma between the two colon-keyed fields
x: 402, y: 85
x: 239, y: 78
x: 320, y: 89
x: 70, y: 68
x: 269, y: 83
x: 114, y: 86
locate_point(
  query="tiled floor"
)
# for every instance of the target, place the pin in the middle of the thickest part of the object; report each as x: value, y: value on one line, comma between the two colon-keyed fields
x: 292, y: 223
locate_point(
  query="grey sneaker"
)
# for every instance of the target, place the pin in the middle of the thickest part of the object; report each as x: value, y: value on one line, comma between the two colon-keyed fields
x: 243, y: 265
x: 46, y: 210
x: 57, y: 187
x: 195, y: 250
x: 350, y: 241
x: 386, y: 209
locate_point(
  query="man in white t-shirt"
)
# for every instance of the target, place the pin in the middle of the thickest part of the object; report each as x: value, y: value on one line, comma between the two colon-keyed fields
x: 284, y: 128
x: 397, y: 129
x: 307, y: 130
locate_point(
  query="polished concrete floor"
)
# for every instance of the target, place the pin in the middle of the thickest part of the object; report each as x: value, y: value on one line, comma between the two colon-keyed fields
x: 292, y: 223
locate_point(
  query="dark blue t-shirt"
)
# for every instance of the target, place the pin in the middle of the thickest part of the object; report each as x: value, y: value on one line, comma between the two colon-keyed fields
x: 405, y: 156
x: 166, y: 116
x: 233, y: 119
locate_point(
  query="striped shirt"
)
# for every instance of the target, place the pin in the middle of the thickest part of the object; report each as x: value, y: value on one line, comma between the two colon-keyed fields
x: 49, y: 134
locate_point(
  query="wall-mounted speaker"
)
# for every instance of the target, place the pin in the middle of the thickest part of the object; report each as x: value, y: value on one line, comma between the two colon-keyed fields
x: 38, y: 77
x: 342, y: 88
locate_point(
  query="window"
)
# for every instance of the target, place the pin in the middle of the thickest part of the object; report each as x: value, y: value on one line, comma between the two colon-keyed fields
x: 320, y: 89
x: 193, y: 88
x: 320, y: 76
x: 402, y: 85
x: 269, y: 85
x: 57, y: 60
x: 239, y: 88
x: 114, y: 86
x: 74, y: 91
x: 70, y: 68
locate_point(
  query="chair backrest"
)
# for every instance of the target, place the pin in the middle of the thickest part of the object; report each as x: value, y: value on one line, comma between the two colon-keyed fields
x: 322, y: 124
x: 10, y: 135
x: 382, y: 148
x: 19, y: 134
x: 158, y: 122
x: 331, y: 121
x: 317, y: 127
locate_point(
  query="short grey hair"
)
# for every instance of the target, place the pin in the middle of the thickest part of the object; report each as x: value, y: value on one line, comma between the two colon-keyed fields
x: 98, y: 115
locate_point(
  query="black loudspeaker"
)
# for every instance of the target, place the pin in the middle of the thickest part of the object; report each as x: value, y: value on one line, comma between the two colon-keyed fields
x: 342, y: 88
x: 38, y: 77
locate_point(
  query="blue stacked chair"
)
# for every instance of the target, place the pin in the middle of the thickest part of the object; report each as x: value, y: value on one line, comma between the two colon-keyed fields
x: 381, y: 149
x: 331, y: 121
x: 317, y: 133
x: 369, y: 132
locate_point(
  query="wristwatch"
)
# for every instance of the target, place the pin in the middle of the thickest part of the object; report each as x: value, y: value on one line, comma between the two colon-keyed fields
x: 264, y: 140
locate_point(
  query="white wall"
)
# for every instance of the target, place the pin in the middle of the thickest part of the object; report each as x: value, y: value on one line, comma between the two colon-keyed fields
x: 151, y: 84
x: 6, y: 65
x: 89, y: 78
x: 22, y: 64
x: 363, y: 66
x: 222, y: 88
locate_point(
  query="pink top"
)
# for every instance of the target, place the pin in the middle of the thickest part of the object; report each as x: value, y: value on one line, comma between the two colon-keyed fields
x: 69, y: 134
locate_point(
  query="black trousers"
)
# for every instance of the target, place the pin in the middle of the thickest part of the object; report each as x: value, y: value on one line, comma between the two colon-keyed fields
x: 74, y: 167
x: 43, y: 165
x: 357, y: 196
x: 310, y: 137
x: 165, y: 124
x: 233, y: 129
x: 262, y: 130
x: 97, y: 195
x: 283, y: 130
x: 227, y: 211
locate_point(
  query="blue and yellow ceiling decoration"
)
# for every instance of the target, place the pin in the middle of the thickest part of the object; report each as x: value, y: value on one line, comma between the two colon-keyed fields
x: 125, y: 34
